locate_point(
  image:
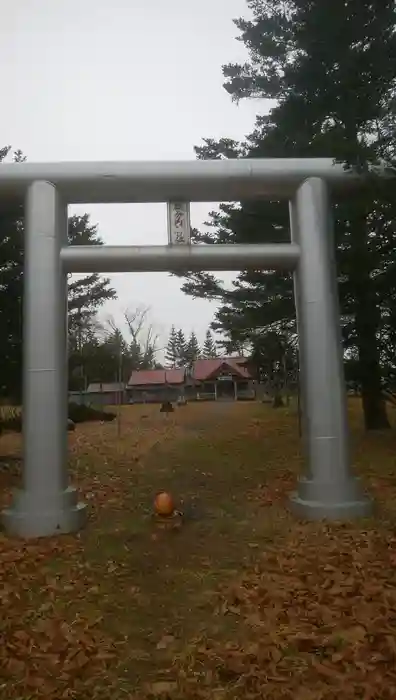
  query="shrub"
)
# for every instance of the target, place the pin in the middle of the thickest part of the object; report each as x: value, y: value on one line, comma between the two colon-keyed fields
x: 79, y: 413
x: 11, y: 417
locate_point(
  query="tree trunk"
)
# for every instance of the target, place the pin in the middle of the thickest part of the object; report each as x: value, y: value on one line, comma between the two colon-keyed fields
x: 374, y: 409
x: 367, y: 324
x: 374, y: 404
x: 277, y: 401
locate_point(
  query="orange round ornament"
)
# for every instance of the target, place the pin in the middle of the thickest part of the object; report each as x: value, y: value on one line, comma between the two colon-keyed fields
x: 164, y: 504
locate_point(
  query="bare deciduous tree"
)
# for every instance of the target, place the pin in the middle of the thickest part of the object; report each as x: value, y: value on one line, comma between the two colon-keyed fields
x: 144, y: 339
x: 142, y: 333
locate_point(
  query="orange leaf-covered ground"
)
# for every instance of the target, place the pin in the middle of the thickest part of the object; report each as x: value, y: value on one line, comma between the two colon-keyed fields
x: 241, y: 601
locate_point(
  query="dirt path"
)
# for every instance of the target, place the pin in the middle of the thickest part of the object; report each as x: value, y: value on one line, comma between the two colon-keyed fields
x: 127, y: 608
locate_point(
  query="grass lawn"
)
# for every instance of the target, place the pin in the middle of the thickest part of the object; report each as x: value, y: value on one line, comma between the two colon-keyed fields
x: 242, y: 601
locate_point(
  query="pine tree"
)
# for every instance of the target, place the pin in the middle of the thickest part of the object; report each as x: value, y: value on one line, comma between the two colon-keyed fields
x: 181, y: 348
x: 330, y: 66
x: 171, y: 353
x: 193, y: 350
x: 85, y: 296
x: 115, y: 349
x: 135, y: 356
x: 209, y: 347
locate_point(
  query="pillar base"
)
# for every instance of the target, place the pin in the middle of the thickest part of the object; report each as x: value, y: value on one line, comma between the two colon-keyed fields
x: 322, y: 501
x: 31, y: 517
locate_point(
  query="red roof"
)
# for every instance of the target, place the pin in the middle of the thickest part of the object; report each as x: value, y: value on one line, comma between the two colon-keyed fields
x: 203, y: 369
x: 144, y: 377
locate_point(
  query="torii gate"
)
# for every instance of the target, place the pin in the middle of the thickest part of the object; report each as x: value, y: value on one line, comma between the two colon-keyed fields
x: 47, y: 505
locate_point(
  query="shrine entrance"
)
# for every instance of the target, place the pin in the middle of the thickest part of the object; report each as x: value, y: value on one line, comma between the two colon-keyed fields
x: 225, y: 388
x: 46, y: 504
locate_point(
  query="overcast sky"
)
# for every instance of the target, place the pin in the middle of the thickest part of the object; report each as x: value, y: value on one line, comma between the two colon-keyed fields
x: 123, y: 80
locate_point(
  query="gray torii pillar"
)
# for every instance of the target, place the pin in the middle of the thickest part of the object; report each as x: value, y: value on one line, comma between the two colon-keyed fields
x: 46, y: 505
x: 329, y: 490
